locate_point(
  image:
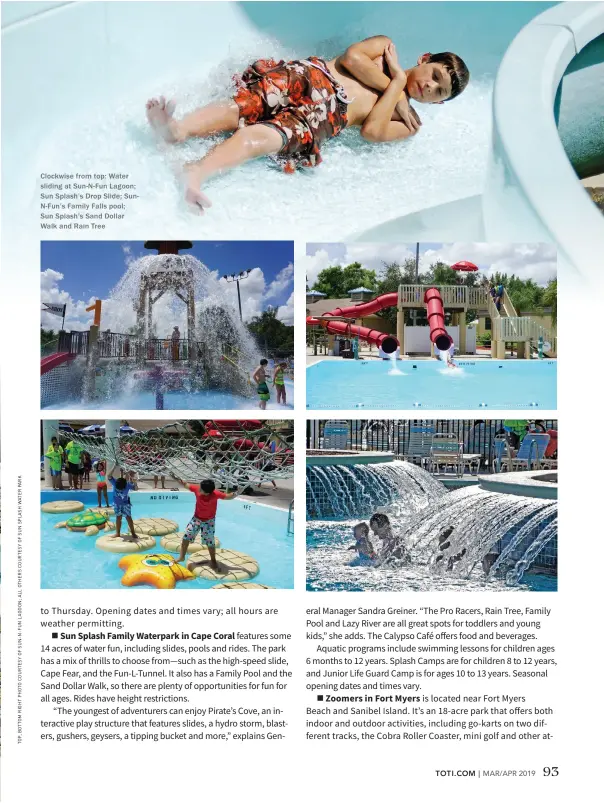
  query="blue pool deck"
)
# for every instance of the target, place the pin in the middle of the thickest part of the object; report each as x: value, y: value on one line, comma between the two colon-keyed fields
x: 427, y: 384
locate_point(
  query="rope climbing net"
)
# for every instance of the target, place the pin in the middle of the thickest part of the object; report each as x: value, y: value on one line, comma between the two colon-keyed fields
x: 228, y: 452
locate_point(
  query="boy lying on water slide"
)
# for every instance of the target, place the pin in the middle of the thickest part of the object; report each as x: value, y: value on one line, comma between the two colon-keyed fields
x: 288, y: 109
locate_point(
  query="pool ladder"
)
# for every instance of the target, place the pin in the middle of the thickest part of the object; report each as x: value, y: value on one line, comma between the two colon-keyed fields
x: 290, y: 519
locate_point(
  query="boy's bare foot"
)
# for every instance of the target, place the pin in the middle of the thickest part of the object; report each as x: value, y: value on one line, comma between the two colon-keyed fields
x: 160, y: 116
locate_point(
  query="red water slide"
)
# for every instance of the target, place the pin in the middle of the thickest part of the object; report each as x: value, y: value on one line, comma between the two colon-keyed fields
x: 54, y: 360
x: 387, y: 343
x: 436, y: 319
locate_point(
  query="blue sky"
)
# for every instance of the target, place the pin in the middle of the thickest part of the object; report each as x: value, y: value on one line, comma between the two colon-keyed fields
x: 75, y: 272
x: 535, y: 261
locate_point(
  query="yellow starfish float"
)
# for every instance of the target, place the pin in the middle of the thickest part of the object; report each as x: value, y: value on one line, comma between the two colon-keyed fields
x: 160, y: 571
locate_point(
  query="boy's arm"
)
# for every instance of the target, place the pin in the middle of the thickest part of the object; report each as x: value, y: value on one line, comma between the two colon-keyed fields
x: 231, y: 494
x: 379, y: 126
x: 358, y: 61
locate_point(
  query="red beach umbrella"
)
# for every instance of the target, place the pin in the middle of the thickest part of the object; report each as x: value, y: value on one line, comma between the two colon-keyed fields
x: 466, y: 267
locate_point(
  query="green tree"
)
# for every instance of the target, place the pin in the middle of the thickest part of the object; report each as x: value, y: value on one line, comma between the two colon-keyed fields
x: 550, y: 299
x: 47, y: 336
x: 390, y: 278
x: 525, y: 294
x: 272, y: 334
x: 338, y: 281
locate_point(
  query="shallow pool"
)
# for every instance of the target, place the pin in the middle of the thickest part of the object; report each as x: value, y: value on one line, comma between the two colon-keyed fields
x: 474, y: 385
x: 71, y: 559
x: 330, y: 566
x: 178, y: 400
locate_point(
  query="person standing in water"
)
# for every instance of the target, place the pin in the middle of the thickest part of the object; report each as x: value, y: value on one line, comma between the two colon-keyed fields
x: 259, y: 377
x: 279, y: 382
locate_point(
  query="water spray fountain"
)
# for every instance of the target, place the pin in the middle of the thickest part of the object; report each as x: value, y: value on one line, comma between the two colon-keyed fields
x: 213, y: 353
x: 472, y: 534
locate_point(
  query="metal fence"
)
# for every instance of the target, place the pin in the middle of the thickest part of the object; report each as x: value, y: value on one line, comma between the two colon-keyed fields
x: 477, y: 435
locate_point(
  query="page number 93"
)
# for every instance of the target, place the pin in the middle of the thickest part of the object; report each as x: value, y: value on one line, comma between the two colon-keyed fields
x: 550, y: 772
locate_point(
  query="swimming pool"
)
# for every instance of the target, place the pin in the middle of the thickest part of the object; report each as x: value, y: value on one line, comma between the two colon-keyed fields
x: 71, y: 559
x: 474, y: 385
x: 172, y: 400
x: 329, y: 567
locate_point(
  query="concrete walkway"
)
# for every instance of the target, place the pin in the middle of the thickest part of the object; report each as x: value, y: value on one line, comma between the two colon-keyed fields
x: 279, y: 497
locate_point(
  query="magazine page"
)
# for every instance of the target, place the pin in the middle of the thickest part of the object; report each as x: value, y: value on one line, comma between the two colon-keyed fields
x: 290, y: 274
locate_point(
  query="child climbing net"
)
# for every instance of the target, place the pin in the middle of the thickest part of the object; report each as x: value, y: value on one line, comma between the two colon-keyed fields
x: 228, y: 452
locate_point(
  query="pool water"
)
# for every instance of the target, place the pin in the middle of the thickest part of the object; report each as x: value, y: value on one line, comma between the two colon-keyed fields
x: 498, y: 384
x: 174, y: 400
x: 71, y: 559
x: 330, y: 566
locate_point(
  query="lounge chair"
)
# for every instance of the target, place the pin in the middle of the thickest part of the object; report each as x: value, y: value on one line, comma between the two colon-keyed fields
x: 531, y: 454
x: 420, y: 443
x: 447, y: 450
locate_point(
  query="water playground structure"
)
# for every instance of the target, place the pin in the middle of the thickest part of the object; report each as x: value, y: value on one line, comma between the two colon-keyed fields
x: 476, y: 174
x: 254, y: 541
x: 208, y: 364
x: 462, y: 530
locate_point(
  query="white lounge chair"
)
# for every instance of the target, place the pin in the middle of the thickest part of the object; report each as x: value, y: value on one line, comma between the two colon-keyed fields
x: 446, y: 450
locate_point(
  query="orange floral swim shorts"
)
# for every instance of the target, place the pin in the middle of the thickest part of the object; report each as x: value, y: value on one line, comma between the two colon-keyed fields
x: 300, y: 99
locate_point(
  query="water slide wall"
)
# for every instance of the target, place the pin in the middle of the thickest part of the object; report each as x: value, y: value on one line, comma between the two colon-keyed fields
x: 546, y: 134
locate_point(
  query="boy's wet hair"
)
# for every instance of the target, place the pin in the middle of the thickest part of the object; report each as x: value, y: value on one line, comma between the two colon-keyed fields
x: 120, y: 484
x: 263, y: 361
x: 456, y: 67
x: 361, y: 528
x: 208, y: 486
x: 379, y: 520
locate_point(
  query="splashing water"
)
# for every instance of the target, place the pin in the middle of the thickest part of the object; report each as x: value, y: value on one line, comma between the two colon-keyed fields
x: 347, y: 491
x: 467, y: 539
x: 359, y: 184
x: 218, y: 329
x: 394, y: 370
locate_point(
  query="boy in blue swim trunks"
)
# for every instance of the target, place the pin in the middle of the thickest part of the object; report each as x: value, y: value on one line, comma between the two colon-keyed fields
x: 203, y: 522
x: 122, y: 505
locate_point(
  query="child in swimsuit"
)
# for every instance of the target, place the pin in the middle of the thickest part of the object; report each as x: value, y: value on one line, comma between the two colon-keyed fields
x: 279, y: 382
x: 101, y: 483
x: 289, y: 109
x: 203, y: 522
x: 362, y: 545
x: 259, y: 378
x: 122, y: 505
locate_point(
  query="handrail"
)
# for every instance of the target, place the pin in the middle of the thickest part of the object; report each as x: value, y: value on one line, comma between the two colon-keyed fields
x: 290, y: 519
